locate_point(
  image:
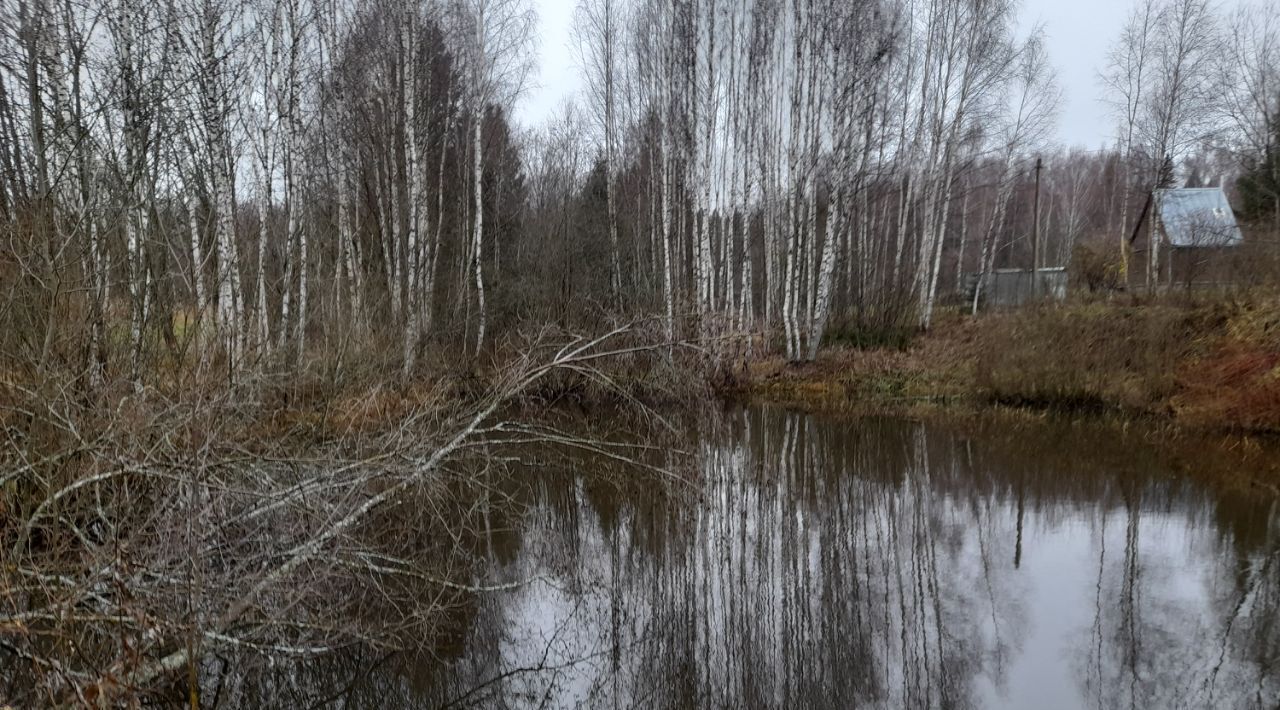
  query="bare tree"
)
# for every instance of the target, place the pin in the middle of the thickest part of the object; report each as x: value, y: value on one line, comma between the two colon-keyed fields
x: 1026, y: 127
x: 1179, y: 108
x: 599, y: 33
x: 1249, y: 79
x: 493, y: 39
x: 1126, y: 79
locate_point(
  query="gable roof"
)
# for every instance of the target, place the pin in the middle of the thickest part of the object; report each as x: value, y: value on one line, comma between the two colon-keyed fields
x: 1198, y: 217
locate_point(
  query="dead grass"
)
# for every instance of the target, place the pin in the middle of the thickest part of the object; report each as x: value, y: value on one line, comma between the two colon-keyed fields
x: 934, y: 368
x: 1210, y: 365
x: 1094, y: 355
x: 1236, y: 380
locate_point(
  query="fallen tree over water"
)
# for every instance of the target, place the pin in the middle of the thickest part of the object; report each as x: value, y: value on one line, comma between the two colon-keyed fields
x: 157, y: 532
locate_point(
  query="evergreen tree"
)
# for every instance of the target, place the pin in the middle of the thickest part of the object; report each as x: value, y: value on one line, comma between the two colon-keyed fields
x: 1259, y: 186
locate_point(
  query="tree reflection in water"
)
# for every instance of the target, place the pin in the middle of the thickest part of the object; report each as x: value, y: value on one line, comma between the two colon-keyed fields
x: 870, y: 563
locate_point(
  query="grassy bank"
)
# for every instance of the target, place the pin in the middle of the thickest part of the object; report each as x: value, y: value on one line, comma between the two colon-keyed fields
x: 934, y: 368
x: 1209, y: 365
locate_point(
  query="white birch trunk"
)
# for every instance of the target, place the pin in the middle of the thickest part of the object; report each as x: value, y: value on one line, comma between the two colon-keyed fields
x: 413, y: 187
x: 197, y: 257
x: 478, y: 230
x: 826, y: 270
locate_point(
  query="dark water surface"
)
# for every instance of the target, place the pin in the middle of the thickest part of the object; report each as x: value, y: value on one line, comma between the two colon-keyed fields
x: 878, y: 563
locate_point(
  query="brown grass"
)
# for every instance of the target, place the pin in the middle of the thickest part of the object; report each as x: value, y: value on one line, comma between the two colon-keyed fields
x: 1209, y: 365
x: 1094, y: 355
x: 934, y: 368
x: 1236, y: 381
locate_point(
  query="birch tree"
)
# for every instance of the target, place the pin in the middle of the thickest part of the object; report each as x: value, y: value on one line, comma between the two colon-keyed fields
x: 1126, y: 81
x: 493, y: 39
x: 211, y: 50
x: 1179, y: 109
x: 1026, y: 125
x: 598, y: 31
x: 141, y: 56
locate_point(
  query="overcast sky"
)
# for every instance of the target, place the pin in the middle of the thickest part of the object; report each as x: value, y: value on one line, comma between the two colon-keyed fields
x: 1079, y: 34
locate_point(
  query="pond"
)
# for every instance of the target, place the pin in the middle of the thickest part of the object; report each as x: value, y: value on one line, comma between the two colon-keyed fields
x: 870, y: 562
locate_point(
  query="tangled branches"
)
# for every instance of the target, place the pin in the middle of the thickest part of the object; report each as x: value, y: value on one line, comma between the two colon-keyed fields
x: 157, y: 533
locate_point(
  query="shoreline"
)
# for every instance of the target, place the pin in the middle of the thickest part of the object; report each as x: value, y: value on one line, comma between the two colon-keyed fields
x: 1211, y: 367
x: 1182, y: 376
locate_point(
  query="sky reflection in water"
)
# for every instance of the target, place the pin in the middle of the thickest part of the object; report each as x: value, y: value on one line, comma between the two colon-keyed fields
x: 876, y: 563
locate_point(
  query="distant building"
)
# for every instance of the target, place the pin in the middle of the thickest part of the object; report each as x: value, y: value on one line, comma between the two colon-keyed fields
x: 1196, y: 235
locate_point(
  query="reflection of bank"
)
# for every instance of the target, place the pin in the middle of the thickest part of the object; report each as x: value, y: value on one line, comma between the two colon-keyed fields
x: 867, y: 563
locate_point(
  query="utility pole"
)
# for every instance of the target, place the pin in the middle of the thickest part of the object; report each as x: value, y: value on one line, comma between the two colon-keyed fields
x: 1035, y: 235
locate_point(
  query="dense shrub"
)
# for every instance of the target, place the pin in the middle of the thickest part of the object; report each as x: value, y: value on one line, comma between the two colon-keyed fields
x: 1096, y: 266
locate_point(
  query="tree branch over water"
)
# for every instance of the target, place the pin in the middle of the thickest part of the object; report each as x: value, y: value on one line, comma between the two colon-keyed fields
x: 168, y: 538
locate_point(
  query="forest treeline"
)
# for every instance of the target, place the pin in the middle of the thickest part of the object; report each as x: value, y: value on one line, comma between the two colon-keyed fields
x: 250, y: 181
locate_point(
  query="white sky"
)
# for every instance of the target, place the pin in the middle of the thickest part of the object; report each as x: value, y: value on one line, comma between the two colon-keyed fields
x: 557, y: 77
x: 1079, y: 34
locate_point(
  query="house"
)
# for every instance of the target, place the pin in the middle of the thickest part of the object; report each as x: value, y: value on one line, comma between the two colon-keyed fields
x: 1195, y: 235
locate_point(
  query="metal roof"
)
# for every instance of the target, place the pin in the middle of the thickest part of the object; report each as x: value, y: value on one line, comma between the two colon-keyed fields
x: 1198, y: 217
